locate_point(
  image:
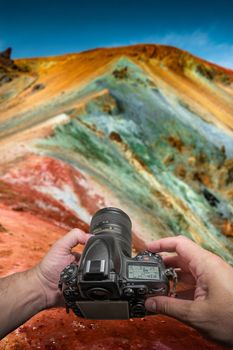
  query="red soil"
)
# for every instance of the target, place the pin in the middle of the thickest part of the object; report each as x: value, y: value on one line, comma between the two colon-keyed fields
x: 24, y: 239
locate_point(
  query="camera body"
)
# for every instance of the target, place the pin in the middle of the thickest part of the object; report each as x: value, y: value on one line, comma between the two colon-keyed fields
x: 109, y: 283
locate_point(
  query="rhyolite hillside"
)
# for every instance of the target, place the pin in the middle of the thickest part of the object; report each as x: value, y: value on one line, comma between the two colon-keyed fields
x: 146, y: 128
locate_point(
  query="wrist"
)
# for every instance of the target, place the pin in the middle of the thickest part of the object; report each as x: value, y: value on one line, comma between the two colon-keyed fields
x: 38, y: 287
x: 48, y: 289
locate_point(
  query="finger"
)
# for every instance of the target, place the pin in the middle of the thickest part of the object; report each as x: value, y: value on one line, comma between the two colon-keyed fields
x: 169, y: 244
x: 71, y: 239
x: 163, y: 254
x: 175, y: 262
x: 180, y: 244
x: 76, y: 255
x: 171, y: 261
x: 180, y: 309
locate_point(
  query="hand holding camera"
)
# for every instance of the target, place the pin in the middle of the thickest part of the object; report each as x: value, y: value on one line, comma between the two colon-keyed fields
x: 109, y: 283
x: 209, y: 308
x: 107, y: 277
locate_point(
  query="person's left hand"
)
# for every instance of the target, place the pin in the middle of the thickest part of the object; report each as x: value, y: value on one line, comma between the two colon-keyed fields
x: 59, y: 256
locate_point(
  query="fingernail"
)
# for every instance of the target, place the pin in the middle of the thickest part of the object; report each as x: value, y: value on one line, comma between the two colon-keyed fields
x: 150, y: 305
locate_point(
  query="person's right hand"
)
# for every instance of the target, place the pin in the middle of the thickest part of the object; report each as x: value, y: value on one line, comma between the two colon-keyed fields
x: 210, y: 306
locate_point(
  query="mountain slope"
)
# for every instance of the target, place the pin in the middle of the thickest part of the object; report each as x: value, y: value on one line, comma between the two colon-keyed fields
x: 147, y: 128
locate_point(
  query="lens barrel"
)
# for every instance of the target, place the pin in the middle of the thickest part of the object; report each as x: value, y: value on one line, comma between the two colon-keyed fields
x: 113, y: 220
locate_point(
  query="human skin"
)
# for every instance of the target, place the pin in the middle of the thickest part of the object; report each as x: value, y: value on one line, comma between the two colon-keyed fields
x: 24, y: 294
x: 209, y: 305
x: 210, y: 308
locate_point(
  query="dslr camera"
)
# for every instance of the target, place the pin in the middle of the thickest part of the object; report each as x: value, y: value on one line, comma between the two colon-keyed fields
x: 109, y: 283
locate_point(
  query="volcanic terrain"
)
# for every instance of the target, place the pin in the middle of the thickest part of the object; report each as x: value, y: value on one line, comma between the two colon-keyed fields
x: 145, y: 128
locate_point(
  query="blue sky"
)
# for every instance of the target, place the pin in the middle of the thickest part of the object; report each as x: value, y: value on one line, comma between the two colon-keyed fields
x: 45, y: 28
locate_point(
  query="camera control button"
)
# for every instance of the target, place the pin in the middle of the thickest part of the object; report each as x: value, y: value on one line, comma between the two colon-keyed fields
x: 141, y: 291
x: 68, y: 275
x: 138, y: 310
x: 157, y: 291
x: 128, y: 292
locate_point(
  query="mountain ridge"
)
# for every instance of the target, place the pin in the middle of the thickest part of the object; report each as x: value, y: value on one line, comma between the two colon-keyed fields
x: 166, y: 48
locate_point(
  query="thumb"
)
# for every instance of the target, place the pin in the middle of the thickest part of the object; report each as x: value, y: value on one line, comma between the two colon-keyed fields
x: 71, y: 239
x: 176, y: 308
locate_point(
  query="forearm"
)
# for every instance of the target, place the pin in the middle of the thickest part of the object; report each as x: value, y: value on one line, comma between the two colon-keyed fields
x: 21, y: 297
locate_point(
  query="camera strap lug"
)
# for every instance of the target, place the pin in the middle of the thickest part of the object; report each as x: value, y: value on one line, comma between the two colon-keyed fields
x: 172, y: 275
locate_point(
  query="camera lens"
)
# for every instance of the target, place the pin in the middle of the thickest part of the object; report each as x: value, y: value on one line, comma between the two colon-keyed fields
x: 110, y: 216
x: 116, y: 221
x: 98, y: 293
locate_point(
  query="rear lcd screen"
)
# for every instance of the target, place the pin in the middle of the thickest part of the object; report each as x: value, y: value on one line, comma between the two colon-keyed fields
x: 143, y: 272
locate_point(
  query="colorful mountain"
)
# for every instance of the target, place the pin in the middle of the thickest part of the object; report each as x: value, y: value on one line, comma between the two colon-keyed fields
x: 145, y: 128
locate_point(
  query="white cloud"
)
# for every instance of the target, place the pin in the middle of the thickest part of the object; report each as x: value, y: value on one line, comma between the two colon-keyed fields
x: 199, y: 43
